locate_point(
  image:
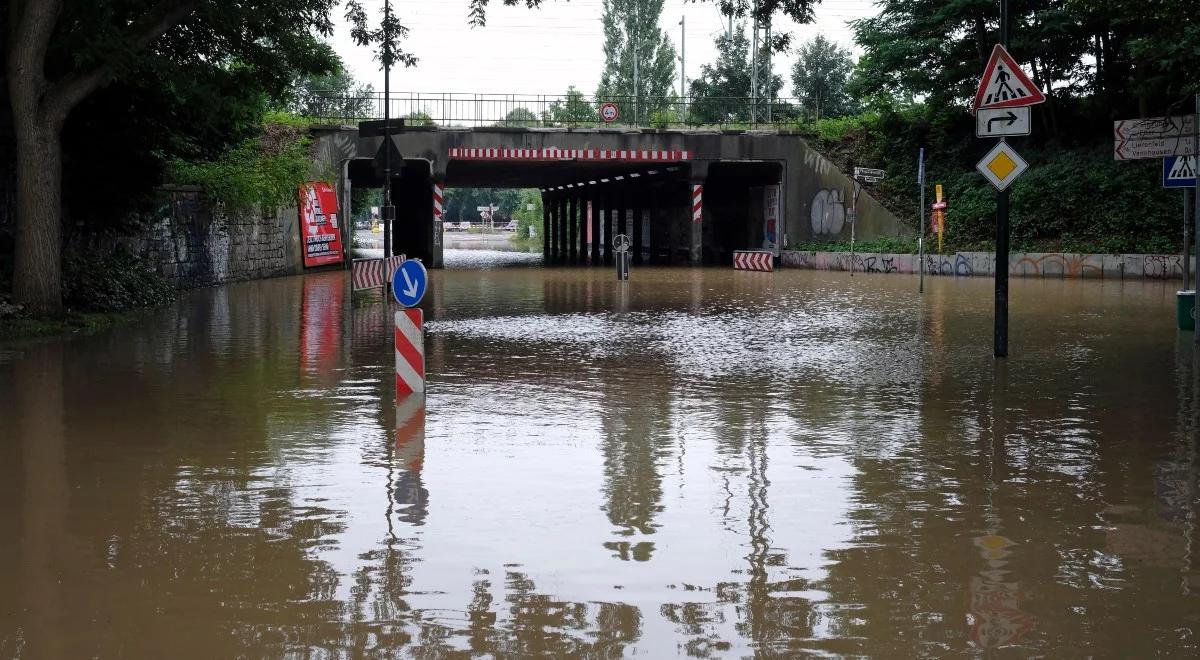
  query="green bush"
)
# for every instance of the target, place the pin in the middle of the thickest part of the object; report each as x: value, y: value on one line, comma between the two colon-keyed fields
x: 113, y: 282
x: 264, y: 171
x: 1073, y: 198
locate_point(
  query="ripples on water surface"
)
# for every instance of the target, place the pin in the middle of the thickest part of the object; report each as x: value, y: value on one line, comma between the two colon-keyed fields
x: 698, y: 462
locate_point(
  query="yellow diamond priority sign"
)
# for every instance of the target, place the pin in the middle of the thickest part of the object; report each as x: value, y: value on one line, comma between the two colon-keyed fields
x: 1002, y: 165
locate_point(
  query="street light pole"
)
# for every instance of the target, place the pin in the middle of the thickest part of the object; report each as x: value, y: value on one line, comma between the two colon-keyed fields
x: 389, y: 211
x: 683, y: 57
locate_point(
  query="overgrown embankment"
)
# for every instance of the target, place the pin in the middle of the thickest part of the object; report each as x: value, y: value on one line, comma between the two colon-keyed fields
x: 1075, y: 198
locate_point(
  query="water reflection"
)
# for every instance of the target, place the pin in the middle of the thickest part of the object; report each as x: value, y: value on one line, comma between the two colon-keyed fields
x: 697, y: 461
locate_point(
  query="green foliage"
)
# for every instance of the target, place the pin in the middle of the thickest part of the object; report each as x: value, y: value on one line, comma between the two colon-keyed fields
x: 336, y: 95
x: 265, y: 171
x: 112, y: 282
x: 527, y: 218
x: 519, y: 116
x: 1074, y: 200
x: 819, y: 78
x: 1125, y: 57
x: 719, y: 94
x: 460, y: 204
x: 419, y: 118
x: 631, y: 35
x: 575, y: 111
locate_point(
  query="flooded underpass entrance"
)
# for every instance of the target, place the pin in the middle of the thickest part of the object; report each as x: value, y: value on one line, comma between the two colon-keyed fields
x: 698, y: 461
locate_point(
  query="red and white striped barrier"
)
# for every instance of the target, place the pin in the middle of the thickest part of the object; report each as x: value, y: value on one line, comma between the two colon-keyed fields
x: 410, y: 353
x: 410, y: 432
x: 754, y: 260
x: 366, y: 274
x: 554, y: 153
x: 697, y: 203
x: 393, y: 262
x: 438, y: 194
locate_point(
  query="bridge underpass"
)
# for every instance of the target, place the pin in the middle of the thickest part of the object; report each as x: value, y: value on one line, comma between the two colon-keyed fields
x: 645, y: 184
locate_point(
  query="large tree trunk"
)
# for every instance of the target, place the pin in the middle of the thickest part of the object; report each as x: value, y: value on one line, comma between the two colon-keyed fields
x: 37, y: 269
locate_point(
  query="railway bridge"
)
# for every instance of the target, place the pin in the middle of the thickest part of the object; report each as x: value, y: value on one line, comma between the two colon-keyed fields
x: 682, y: 196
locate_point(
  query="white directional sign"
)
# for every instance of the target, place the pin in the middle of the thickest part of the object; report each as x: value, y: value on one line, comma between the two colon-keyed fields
x: 864, y: 173
x: 1155, y: 137
x: 1002, y: 165
x: 1005, y: 85
x: 999, y: 122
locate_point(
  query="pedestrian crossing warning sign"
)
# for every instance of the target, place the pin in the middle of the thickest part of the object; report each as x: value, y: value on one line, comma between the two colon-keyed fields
x: 1179, y: 172
x: 1005, y: 85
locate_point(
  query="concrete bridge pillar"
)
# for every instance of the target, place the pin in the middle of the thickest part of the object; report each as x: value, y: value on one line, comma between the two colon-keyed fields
x: 594, y: 198
x: 573, y: 228
x: 696, y: 221
x: 636, y: 228
x: 608, y: 203
x: 545, y: 227
x: 560, y: 230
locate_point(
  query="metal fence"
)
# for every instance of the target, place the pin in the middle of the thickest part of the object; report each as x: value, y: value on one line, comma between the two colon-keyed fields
x: 565, y: 111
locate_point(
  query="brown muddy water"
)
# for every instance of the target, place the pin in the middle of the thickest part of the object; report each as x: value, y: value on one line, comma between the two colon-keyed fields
x: 699, y: 462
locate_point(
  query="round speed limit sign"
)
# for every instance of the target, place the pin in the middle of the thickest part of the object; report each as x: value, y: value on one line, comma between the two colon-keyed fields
x: 609, y: 112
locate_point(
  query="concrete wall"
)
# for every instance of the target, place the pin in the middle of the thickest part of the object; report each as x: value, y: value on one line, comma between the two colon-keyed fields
x: 983, y: 264
x: 195, y: 244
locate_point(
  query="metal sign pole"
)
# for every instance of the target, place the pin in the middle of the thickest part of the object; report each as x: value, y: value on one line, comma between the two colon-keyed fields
x: 1000, y: 339
x: 1196, y: 201
x: 389, y: 211
x: 1187, y: 257
x: 921, y: 240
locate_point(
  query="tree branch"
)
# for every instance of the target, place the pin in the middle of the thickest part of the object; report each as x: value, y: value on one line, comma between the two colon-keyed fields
x: 70, y: 91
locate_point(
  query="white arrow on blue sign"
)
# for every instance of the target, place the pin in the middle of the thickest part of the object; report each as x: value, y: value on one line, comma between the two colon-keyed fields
x: 1179, y: 172
x: 409, y: 283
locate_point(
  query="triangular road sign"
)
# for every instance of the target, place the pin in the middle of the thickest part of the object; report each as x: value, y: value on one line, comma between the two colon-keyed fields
x: 1005, y: 85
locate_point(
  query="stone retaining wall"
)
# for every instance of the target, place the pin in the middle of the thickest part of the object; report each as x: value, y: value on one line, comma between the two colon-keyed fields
x: 983, y: 264
x: 195, y: 243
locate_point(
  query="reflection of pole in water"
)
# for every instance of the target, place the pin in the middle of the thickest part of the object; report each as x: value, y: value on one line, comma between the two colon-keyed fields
x: 408, y: 490
x: 994, y: 610
x: 760, y: 543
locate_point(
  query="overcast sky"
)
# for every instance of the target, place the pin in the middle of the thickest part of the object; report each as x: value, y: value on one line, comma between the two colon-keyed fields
x: 544, y: 51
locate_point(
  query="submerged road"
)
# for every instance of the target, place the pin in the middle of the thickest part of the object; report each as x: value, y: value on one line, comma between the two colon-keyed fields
x: 698, y: 462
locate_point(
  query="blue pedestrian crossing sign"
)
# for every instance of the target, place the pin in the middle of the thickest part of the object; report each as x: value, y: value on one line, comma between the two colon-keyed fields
x: 1179, y: 172
x: 409, y: 283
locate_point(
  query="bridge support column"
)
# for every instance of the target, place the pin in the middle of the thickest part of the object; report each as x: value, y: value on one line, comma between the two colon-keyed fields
x: 437, y: 232
x: 596, y: 236
x: 607, y: 238
x: 658, y: 235
x: 545, y: 228
x: 573, y: 228
x: 560, y: 231
x: 621, y: 227
x: 696, y: 222
x: 636, y: 229
x: 581, y: 223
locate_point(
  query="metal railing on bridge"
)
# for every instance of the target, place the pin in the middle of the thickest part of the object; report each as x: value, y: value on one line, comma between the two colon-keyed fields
x: 562, y: 111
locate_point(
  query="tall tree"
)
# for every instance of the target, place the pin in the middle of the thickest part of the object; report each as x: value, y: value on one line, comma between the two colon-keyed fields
x: 819, y: 77
x: 573, y: 111
x: 334, y: 95
x: 639, y: 60
x: 721, y: 91
x: 61, y: 52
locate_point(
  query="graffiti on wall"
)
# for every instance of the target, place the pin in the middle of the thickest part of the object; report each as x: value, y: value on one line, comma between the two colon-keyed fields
x: 828, y: 212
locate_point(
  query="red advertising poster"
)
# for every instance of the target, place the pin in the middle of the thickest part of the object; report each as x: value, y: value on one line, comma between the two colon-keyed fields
x: 319, y: 224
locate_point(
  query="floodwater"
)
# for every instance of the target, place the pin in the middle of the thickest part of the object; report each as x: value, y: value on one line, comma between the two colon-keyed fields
x: 698, y: 462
